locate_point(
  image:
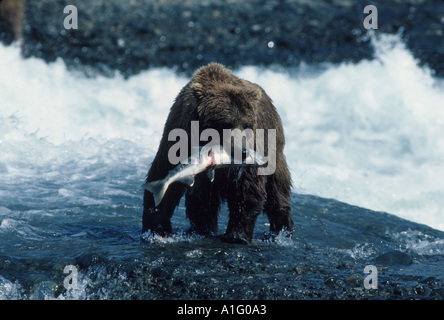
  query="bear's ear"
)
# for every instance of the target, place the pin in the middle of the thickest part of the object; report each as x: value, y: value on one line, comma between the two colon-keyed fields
x: 198, y: 91
x: 253, y: 94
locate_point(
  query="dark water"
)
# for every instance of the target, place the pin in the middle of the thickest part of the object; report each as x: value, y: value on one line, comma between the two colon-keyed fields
x: 188, y: 34
x: 333, y: 242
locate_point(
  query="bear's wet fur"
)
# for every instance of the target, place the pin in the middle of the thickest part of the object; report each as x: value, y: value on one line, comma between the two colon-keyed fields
x: 220, y: 100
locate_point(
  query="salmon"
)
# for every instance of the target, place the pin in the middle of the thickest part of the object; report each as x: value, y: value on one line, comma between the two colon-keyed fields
x: 204, y: 159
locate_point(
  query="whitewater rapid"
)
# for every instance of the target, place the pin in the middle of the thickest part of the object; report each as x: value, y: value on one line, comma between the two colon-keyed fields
x: 369, y: 134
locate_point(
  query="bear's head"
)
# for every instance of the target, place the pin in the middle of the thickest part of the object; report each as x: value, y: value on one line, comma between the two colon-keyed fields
x: 226, y: 103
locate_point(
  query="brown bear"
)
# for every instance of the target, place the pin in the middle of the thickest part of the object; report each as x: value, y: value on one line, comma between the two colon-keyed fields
x: 219, y: 100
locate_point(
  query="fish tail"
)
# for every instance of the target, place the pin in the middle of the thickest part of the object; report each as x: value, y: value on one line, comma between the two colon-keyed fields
x: 157, y: 188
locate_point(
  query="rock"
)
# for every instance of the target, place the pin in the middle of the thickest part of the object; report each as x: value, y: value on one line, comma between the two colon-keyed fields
x: 88, y: 259
x: 394, y: 258
x: 156, y: 272
x: 354, y: 280
x: 334, y: 282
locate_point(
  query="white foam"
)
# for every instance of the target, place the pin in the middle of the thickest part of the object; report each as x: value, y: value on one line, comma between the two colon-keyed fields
x: 9, y: 290
x: 61, y: 106
x: 179, y: 236
x: 419, y: 242
x: 360, y: 251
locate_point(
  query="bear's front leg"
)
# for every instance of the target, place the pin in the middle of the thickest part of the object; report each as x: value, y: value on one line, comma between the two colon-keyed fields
x: 245, y: 203
x: 158, y: 219
x: 241, y: 223
x: 202, y: 203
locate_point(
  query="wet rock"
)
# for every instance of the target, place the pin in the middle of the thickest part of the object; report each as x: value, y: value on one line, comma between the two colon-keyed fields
x: 156, y: 272
x: 299, y: 269
x: 354, y: 280
x: 394, y: 258
x: 334, y: 282
x: 88, y: 259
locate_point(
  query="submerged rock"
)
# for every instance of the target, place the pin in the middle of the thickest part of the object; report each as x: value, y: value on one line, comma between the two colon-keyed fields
x: 394, y: 258
x: 354, y: 280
